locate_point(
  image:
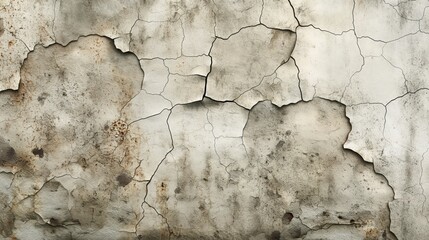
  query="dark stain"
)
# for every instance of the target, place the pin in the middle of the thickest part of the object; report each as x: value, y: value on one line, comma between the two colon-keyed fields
x: 38, y: 152
x: 256, y: 202
x: 7, y: 218
x: 295, y: 232
x: 1, y: 27
x: 275, y: 235
x: 10, y: 153
x: 154, y: 235
x: 7, y: 153
x: 123, y: 179
x: 287, y: 218
x: 280, y: 144
x: 207, y: 170
x: 202, y: 207
x: 42, y: 97
x: 192, y: 14
x: 82, y: 162
x: 54, y: 222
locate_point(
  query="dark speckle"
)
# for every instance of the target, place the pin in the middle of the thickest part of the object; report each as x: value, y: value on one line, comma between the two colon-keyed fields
x: 177, y: 190
x: 288, y: 132
x: 38, y: 152
x: 287, y: 218
x: 123, y: 179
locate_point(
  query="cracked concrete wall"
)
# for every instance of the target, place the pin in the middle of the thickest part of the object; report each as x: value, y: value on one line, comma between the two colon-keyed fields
x: 214, y: 119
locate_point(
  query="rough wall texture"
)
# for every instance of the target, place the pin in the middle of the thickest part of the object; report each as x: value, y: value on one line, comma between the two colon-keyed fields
x: 221, y: 119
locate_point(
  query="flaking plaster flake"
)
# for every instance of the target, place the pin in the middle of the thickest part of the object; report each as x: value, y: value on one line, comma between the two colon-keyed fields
x: 80, y: 18
x: 380, y: 21
x: 281, y: 88
x: 331, y: 15
x: 231, y: 16
x: 326, y: 62
x: 410, y: 54
x: 258, y: 52
x: 156, y: 39
x: 259, y: 119
x: 279, y: 15
x: 377, y: 82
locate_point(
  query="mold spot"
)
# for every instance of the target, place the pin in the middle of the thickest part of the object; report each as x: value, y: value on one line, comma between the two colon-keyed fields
x: 118, y: 129
x: 10, y: 153
x: 287, y: 218
x: 38, y: 152
x: 123, y: 179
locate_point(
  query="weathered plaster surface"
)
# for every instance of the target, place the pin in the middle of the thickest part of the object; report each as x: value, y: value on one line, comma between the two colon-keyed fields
x: 259, y: 119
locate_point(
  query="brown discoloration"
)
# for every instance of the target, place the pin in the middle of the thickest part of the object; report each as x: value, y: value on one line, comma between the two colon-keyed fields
x: 23, y: 94
x: 119, y: 129
x: 162, y: 197
x: 372, y: 234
